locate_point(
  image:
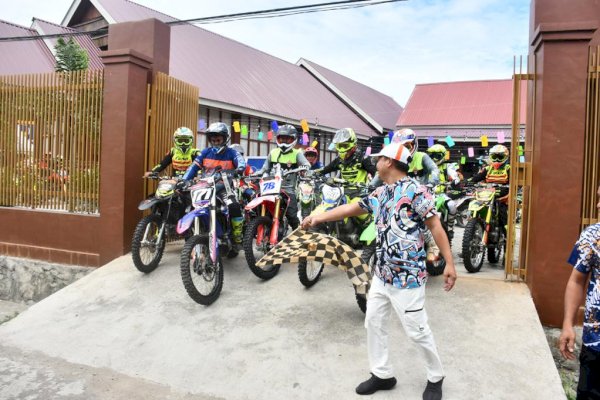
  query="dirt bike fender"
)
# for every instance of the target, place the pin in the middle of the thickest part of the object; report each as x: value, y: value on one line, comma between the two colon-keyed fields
x: 369, y: 234
x: 259, y: 200
x: 184, y: 223
x: 148, y: 203
x: 321, y: 208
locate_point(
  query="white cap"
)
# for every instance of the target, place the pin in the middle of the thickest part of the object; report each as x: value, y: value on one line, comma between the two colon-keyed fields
x: 395, y: 151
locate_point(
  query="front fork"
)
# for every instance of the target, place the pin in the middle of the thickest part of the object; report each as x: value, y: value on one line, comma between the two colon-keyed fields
x: 275, y: 228
x: 488, y: 219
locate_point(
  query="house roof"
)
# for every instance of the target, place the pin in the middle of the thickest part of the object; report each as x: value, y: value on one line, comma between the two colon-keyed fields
x: 23, y: 56
x: 379, y: 108
x: 85, y: 41
x: 232, y: 73
x: 473, y: 103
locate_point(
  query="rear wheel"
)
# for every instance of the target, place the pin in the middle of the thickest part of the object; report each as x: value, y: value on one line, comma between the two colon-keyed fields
x: 202, y: 278
x: 472, y: 249
x: 254, y: 251
x: 146, y: 246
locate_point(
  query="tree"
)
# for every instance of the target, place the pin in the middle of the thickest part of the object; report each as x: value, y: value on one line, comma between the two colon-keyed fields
x: 70, y: 56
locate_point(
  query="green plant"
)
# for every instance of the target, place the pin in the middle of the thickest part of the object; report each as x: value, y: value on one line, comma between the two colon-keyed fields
x: 70, y: 56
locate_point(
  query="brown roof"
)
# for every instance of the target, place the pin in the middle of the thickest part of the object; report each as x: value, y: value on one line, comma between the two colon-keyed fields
x: 233, y: 73
x: 372, y: 104
x: 23, y: 56
x: 85, y: 41
x: 471, y: 103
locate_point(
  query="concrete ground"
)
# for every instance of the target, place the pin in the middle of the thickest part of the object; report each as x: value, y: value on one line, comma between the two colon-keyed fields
x: 119, y: 334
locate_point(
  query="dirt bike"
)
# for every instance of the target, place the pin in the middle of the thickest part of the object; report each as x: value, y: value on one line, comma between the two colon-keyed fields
x: 307, y: 198
x: 167, y: 206
x: 270, y: 226
x: 437, y: 267
x: 462, y: 205
x: 209, y: 222
x: 350, y: 231
x: 484, y: 231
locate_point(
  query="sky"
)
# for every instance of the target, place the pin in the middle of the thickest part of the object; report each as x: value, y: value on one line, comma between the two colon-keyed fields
x: 389, y: 47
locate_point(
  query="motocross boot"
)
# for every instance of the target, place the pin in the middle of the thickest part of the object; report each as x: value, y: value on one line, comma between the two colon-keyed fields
x: 450, y: 226
x: 237, y: 224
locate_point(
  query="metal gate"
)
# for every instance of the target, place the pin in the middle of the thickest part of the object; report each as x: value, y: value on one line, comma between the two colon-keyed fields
x: 515, y: 265
x: 171, y: 103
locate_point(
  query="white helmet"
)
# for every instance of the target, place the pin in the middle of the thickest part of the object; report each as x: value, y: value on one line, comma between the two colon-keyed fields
x: 286, y: 131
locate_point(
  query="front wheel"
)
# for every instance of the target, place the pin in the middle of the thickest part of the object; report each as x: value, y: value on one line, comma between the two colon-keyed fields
x: 254, y: 251
x: 472, y: 248
x: 202, y: 279
x: 309, y: 272
x: 148, y: 244
x: 495, y: 253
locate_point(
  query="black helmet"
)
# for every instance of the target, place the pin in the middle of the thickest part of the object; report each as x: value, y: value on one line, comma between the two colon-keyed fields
x: 218, y: 129
x: 286, y: 131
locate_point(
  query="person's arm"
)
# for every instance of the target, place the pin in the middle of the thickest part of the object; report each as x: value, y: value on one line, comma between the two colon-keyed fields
x: 574, y: 295
x: 239, y: 162
x: 332, y: 166
x: 478, y: 177
x: 336, y: 214
x: 166, y: 161
x: 193, y: 169
x: 441, y: 240
x: 302, y: 161
x: 432, y: 171
x: 369, y: 166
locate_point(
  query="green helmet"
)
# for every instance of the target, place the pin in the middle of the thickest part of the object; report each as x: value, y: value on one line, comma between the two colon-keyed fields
x: 345, y: 142
x: 437, y: 152
x: 183, y: 138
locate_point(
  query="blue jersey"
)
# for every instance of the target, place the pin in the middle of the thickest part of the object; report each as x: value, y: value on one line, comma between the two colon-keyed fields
x: 209, y: 159
x: 585, y: 258
x: 316, y: 165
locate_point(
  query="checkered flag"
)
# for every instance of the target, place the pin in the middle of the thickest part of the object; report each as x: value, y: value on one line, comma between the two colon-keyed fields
x: 303, y: 245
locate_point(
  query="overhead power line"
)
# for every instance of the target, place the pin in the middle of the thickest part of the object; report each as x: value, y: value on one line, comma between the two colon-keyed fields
x: 270, y: 13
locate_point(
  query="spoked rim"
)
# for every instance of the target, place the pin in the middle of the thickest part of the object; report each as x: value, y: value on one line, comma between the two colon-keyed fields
x: 313, y: 269
x: 476, y: 250
x: 149, y: 244
x: 203, y: 272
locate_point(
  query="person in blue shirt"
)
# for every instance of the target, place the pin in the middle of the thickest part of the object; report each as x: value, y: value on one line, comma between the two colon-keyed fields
x: 218, y: 154
x: 585, y: 259
x: 312, y: 155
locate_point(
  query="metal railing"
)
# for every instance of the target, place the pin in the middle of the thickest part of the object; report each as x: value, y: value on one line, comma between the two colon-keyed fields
x: 171, y: 104
x: 591, y: 152
x: 50, y: 127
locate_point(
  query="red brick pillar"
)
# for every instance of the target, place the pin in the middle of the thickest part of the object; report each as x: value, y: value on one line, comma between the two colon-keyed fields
x: 559, y: 37
x: 135, y: 48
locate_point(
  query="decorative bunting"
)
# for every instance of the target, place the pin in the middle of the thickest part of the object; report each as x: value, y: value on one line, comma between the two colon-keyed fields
x: 484, y: 141
x: 269, y: 135
x: 520, y: 150
x: 260, y: 135
x: 447, y: 156
x: 305, y: 139
x: 463, y: 160
x: 471, y: 152
x: 390, y: 136
x: 450, y: 141
x: 500, y: 137
x: 274, y: 126
x: 386, y: 141
x: 236, y: 126
x: 430, y: 141
x: 314, y: 144
x: 331, y: 146
x: 201, y: 124
x: 304, y: 126
x: 368, y: 151
x: 522, y: 159
x: 244, y: 130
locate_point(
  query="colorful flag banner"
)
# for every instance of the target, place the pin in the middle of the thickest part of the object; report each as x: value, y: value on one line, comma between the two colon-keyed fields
x: 471, y: 152
x: 304, y: 126
x: 236, y: 126
x: 274, y: 126
x: 386, y: 141
x: 520, y: 150
x: 500, y: 137
x: 244, y: 130
x: 430, y: 141
x: 314, y: 144
x: 522, y: 159
x: 331, y: 146
x: 305, y: 139
x: 201, y: 124
x: 390, y: 135
x: 269, y: 135
x: 484, y: 141
x: 450, y: 141
x: 463, y: 160
x: 368, y: 151
x: 447, y: 156
x: 260, y: 135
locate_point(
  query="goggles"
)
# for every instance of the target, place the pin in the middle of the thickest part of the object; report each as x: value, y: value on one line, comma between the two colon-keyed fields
x: 497, y: 157
x: 285, y: 139
x: 344, y: 146
x: 184, y: 141
x: 437, y: 156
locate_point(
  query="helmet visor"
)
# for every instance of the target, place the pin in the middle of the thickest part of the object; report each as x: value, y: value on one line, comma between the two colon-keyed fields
x: 285, y: 139
x: 437, y: 156
x: 183, y: 141
x: 497, y: 157
x: 344, y: 146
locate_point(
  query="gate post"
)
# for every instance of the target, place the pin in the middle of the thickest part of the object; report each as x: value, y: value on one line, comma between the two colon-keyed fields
x: 559, y: 36
x: 135, y: 50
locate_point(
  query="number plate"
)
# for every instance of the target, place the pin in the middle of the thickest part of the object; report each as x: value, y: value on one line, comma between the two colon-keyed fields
x: 201, y: 194
x: 270, y: 187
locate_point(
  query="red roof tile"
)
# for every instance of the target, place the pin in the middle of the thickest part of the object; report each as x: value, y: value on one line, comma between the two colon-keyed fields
x: 472, y: 103
x: 23, y: 56
x: 85, y: 41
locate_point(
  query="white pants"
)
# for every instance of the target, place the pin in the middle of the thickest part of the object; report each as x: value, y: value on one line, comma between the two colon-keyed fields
x: 409, y: 305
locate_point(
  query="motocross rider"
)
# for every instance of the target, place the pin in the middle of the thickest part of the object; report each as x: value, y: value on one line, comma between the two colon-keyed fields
x: 288, y: 158
x: 448, y: 173
x: 353, y: 166
x: 180, y: 155
x: 312, y: 155
x: 219, y: 155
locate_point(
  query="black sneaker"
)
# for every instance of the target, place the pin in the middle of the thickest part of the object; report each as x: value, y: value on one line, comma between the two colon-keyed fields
x: 374, y: 384
x: 433, y: 391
